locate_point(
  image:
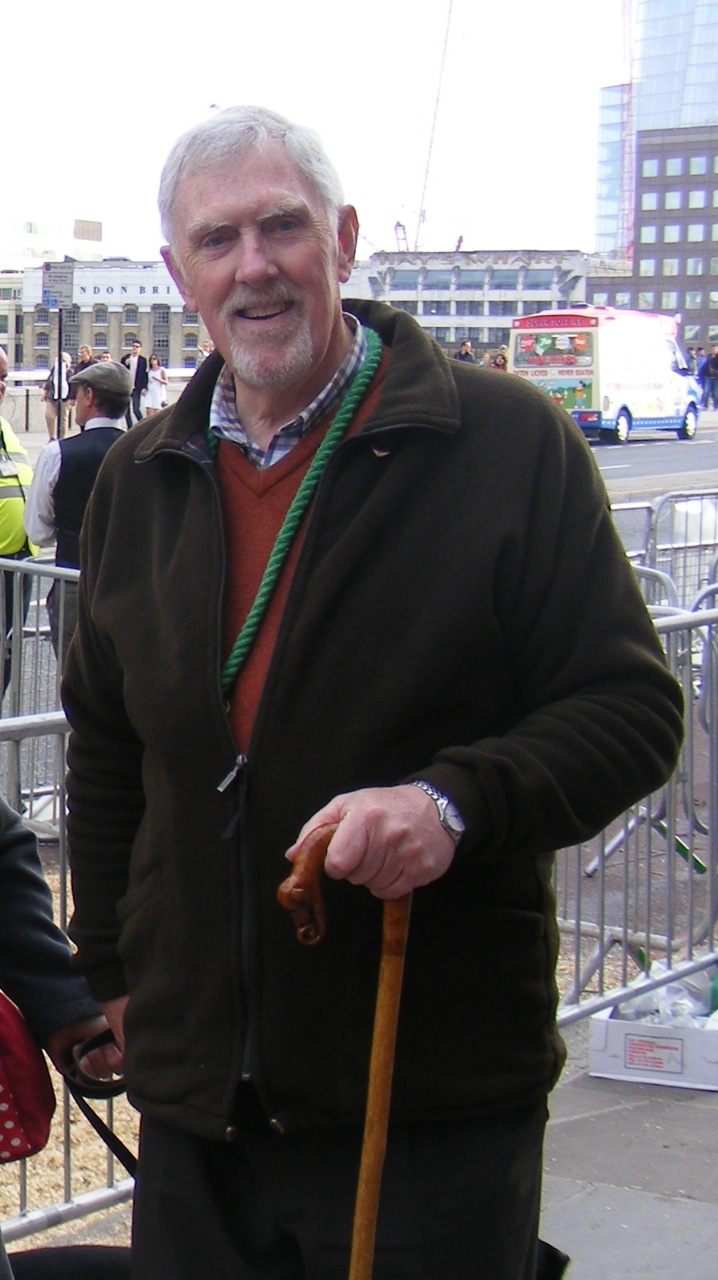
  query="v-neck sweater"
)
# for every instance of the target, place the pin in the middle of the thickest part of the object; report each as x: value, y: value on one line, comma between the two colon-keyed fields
x: 254, y: 504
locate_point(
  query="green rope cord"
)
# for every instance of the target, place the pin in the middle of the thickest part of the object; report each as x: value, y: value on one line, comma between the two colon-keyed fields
x: 297, y: 509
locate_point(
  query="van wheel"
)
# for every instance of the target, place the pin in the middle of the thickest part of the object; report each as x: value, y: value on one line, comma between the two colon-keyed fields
x: 690, y: 423
x: 622, y: 428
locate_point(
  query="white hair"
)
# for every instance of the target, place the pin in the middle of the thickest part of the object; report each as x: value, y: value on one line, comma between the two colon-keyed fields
x: 226, y: 135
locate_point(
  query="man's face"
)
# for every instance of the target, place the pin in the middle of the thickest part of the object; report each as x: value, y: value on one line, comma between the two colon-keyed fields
x: 84, y: 354
x: 3, y: 375
x: 83, y: 404
x: 258, y: 255
x: 136, y: 348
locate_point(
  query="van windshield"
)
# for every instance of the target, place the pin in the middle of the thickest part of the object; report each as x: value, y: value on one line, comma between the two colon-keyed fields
x: 545, y: 348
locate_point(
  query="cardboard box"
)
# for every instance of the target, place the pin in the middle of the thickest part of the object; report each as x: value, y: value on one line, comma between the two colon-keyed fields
x: 686, y: 1057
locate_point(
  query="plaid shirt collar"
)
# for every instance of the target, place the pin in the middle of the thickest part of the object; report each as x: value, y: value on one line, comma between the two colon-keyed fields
x: 224, y: 420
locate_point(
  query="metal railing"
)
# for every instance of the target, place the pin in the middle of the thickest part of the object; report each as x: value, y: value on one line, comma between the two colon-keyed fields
x: 676, y: 534
x: 644, y: 889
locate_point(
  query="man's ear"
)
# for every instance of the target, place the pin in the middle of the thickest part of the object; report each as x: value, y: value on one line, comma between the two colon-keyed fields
x: 177, y: 275
x: 347, y: 235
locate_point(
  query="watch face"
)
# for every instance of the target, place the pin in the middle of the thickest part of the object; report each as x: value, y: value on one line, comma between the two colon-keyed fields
x: 451, y: 819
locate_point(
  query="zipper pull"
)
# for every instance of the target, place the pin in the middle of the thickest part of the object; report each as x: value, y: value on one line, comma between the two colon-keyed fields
x: 239, y: 764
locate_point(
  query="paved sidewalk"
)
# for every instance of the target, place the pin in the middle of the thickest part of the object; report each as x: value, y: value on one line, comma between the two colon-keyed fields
x: 631, y: 1176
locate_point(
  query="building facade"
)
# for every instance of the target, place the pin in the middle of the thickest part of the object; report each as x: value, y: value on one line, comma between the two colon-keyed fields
x: 675, y: 260
x: 474, y: 295
x: 114, y: 303
x: 673, y: 85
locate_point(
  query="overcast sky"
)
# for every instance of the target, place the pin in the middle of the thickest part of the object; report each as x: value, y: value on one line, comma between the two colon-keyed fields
x: 91, y: 111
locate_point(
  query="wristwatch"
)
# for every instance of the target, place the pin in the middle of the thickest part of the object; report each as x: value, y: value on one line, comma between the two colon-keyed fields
x: 449, y: 815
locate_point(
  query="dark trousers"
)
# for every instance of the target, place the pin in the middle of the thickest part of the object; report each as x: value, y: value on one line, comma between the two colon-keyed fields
x: 460, y: 1201
x: 135, y: 406
x: 23, y: 582
x: 62, y: 614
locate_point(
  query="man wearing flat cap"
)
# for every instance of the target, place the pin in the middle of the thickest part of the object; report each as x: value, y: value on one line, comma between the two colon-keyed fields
x: 64, y: 476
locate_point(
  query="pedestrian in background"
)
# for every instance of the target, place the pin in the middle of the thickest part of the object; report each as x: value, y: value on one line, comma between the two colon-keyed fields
x: 56, y: 397
x: 64, y: 475
x: 15, y: 481
x: 156, y: 397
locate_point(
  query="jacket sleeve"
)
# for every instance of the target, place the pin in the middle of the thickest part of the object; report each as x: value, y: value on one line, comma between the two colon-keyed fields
x: 34, y: 954
x: 596, y: 722
x: 105, y: 794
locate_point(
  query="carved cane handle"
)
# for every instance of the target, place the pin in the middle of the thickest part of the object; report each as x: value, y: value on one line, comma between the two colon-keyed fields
x: 301, y: 893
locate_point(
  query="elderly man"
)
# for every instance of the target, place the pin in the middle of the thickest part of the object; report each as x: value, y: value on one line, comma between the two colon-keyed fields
x: 64, y: 476
x: 343, y: 580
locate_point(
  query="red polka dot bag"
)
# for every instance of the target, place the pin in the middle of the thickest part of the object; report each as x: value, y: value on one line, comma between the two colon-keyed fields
x: 27, y: 1099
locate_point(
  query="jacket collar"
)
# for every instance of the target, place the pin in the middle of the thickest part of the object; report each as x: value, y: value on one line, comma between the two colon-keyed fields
x: 418, y: 388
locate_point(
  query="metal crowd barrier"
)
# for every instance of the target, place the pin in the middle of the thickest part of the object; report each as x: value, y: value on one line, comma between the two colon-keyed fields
x: 676, y: 534
x: 645, y: 889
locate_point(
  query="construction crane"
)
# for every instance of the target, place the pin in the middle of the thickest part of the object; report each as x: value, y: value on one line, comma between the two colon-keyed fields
x: 422, y: 209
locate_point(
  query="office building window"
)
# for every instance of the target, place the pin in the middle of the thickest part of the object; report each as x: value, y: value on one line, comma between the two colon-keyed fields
x: 694, y: 266
x: 190, y: 362
x: 696, y: 232
x: 42, y: 315
x: 673, y: 200
x: 600, y: 299
x: 671, y: 266
x: 648, y: 235
x: 433, y: 308
x: 468, y: 308
x: 190, y: 341
x: 189, y: 317
x: 669, y: 301
x: 697, y: 199
x: 671, y: 233
x: 714, y: 267
x: 623, y: 298
x: 713, y: 299
x: 646, y: 300
x: 649, y: 168
x: 649, y: 200
x: 714, y: 231
x: 698, y: 165
x: 646, y: 267
x: 42, y: 339
x: 130, y: 315
x: 691, y: 332
x: 674, y: 167
x: 694, y: 300
x: 410, y: 306
x: 100, y: 315
x: 100, y: 340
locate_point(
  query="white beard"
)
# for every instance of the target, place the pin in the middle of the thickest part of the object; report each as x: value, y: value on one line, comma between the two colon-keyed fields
x: 254, y: 362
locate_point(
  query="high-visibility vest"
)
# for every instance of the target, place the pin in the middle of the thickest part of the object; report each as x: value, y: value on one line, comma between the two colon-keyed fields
x: 15, y: 480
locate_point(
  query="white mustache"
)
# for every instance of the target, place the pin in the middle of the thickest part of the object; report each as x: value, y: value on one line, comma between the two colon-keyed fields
x: 251, y: 299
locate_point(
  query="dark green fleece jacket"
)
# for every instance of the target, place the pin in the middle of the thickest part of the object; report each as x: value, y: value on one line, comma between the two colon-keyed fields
x: 461, y: 611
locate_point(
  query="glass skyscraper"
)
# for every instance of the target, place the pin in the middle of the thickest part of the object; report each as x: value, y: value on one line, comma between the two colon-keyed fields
x: 674, y: 84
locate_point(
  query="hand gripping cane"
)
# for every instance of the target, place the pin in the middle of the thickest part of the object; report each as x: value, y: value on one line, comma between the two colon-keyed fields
x: 301, y: 895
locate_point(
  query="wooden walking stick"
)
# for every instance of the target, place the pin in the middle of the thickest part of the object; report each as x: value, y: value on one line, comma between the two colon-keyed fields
x: 301, y: 895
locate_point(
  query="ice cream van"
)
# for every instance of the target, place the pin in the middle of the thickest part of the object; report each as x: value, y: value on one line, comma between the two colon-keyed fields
x: 616, y: 372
